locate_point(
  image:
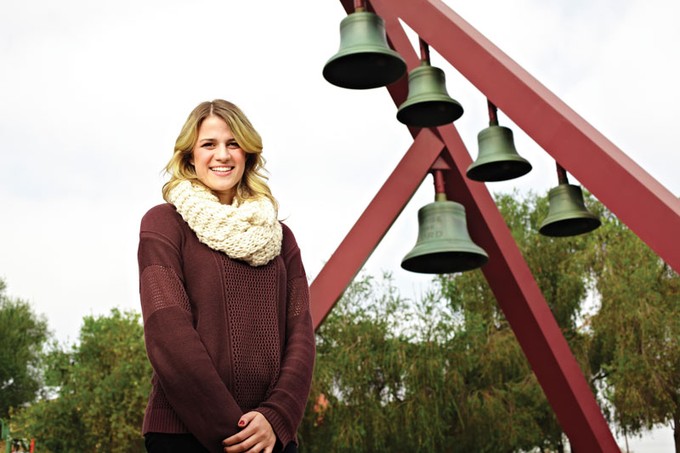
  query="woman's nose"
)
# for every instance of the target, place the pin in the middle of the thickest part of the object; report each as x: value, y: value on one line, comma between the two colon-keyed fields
x: 222, y: 152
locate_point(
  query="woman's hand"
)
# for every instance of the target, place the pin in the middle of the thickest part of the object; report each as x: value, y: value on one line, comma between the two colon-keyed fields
x: 256, y: 435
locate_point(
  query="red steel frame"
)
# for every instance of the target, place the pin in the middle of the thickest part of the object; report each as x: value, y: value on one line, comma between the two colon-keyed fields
x: 645, y: 206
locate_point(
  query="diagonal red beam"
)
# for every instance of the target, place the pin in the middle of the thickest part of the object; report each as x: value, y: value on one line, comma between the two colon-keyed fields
x: 371, y: 227
x: 526, y: 310
x: 650, y: 210
x: 514, y: 286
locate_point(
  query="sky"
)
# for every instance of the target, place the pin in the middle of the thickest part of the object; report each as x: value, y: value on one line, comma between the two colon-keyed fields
x: 93, y: 95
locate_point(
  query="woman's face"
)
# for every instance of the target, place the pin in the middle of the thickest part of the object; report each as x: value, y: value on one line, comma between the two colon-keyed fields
x: 219, y: 161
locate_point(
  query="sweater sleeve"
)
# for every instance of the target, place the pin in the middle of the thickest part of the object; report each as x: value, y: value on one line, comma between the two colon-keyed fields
x: 286, y: 404
x: 185, y: 371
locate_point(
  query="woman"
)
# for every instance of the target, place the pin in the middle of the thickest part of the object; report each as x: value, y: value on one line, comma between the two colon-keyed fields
x: 224, y: 297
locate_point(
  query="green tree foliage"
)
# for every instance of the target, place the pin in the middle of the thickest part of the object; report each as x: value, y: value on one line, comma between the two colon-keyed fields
x: 359, y: 370
x: 503, y: 405
x: 636, y: 332
x: 22, y: 337
x: 442, y: 373
x: 419, y: 376
x: 445, y: 373
x: 100, y: 389
x: 383, y: 370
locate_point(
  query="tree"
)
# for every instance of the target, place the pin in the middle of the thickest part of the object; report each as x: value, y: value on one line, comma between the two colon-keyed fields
x: 100, y: 386
x: 503, y: 405
x: 383, y: 378
x: 22, y: 337
x: 398, y: 375
x: 446, y: 373
x: 443, y: 373
x: 636, y: 332
x: 358, y: 379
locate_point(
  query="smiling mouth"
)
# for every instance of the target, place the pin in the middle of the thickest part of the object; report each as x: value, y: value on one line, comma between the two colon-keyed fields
x: 222, y: 169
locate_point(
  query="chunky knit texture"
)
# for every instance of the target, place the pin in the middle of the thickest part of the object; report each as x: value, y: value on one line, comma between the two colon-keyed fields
x: 223, y: 337
x: 247, y: 231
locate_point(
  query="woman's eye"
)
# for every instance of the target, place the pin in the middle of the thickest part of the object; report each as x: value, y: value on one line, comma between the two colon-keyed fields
x: 232, y: 145
x: 207, y: 145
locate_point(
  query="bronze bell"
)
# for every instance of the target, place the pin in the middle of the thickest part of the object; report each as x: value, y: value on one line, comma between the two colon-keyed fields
x: 364, y: 60
x: 498, y: 159
x: 444, y: 245
x: 428, y: 103
x: 567, y: 214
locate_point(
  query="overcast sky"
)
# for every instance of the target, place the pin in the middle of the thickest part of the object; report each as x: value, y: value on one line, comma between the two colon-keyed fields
x: 93, y: 94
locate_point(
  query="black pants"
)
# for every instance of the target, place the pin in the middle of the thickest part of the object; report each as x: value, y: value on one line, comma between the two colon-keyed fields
x: 172, y: 443
x: 183, y: 443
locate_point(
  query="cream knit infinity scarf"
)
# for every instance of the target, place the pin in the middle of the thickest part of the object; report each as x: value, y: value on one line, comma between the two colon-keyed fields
x: 247, y: 231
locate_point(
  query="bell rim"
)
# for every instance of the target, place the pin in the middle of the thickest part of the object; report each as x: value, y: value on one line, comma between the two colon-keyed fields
x: 427, y: 98
x: 452, y: 112
x: 395, y: 69
x: 566, y: 215
x: 445, y: 246
x: 559, y: 228
x: 414, y: 264
x: 520, y: 167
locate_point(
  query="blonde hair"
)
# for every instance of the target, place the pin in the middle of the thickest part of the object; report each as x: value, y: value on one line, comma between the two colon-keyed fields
x: 253, y: 184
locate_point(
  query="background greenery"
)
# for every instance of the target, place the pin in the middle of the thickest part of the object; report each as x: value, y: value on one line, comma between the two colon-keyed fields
x: 441, y: 373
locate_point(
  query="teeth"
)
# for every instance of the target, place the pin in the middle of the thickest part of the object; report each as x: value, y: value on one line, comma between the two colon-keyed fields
x: 222, y: 168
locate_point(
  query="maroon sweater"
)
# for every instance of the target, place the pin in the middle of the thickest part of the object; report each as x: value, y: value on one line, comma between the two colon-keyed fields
x: 223, y: 337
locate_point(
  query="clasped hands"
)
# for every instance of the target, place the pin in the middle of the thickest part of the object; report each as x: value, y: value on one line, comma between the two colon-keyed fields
x: 256, y: 435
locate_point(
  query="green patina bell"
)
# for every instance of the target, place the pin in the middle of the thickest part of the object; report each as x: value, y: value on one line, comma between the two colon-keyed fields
x: 498, y: 159
x: 567, y: 214
x: 444, y: 245
x: 428, y: 104
x: 364, y: 60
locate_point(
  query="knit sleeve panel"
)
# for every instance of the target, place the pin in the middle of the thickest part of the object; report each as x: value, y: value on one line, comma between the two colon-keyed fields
x: 160, y: 287
x: 161, y: 283
x: 186, y: 373
x: 285, y: 407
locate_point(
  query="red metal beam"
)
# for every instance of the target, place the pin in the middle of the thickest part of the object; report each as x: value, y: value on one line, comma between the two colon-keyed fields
x: 513, y: 284
x: 371, y: 227
x: 527, y: 311
x: 508, y: 275
x: 650, y: 210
